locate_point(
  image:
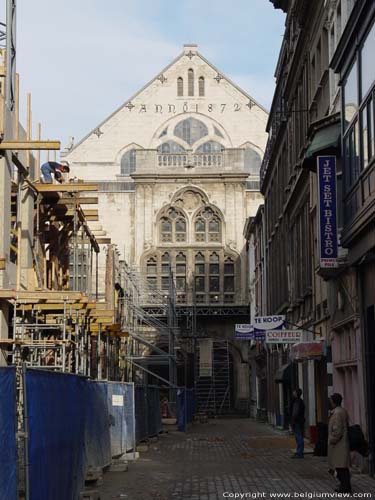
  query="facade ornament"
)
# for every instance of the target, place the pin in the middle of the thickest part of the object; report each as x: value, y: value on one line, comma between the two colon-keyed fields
x: 190, y: 55
x: 250, y: 104
x: 218, y: 78
x: 129, y: 105
x: 162, y: 79
x: 98, y: 132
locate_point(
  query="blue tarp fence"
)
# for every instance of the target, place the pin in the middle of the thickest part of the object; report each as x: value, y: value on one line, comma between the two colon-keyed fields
x: 147, y: 412
x: 185, y: 408
x: 56, y: 406
x: 120, y: 400
x: 97, y: 426
x: 8, y: 445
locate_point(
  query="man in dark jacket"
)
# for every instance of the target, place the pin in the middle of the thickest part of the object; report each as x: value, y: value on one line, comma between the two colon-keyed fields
x: 298, y: 421
x: 53, y: 168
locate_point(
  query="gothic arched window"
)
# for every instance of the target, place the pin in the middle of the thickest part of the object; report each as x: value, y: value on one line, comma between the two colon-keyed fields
x: 201, y: 86
x: 170, y: 147
x: 207, y: 226
x: 173, y: 227
x: 190, y: 82
x: 129, y: 162
x: 152, y: 272
x: 252, y: 161
x: 210, y: 147
x: 228, y: 280
x: 180, y: 87
x: 214, y: 279
x: 165, y: 270
x: 190, y: 130
x: 181, y: 272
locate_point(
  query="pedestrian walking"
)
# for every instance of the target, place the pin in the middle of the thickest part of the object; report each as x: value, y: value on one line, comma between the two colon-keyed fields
x: 53, y: 168
x: 298, y: 422
x: 338, y: 443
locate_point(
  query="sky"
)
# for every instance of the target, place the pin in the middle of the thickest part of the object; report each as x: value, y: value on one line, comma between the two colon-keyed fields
x: 82, y: 59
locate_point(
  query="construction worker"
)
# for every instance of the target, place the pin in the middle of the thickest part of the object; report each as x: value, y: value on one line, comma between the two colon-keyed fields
x: 57, y: 169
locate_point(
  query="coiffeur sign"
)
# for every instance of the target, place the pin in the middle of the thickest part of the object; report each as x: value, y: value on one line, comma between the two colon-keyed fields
x: 283, y: 336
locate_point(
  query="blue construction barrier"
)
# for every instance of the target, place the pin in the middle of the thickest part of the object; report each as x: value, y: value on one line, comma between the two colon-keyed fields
x: 148, y: 421
x: 97, y: 426
x: 141, y: 417
x: 120, y: 399
x: 56, y: 405
x: 185, y: 408
x: 8, y: 446
x: 154, y: 423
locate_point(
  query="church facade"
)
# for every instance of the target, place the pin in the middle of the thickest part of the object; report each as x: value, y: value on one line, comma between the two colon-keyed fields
x: 178, y: 173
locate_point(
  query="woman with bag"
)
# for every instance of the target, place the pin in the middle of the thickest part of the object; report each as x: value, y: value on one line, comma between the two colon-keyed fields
x: 338, y: 443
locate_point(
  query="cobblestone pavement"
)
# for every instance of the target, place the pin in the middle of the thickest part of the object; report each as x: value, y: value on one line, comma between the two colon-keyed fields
x: 224, y: 456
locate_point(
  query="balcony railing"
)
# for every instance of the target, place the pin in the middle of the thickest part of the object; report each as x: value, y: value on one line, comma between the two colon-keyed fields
x: 190, y: 159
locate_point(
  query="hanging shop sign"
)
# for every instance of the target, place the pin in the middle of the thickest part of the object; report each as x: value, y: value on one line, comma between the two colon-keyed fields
x: 327, y: 205
x: 283, y: 336
x: 263, y: 323
x: 307, y: 350
x: 247, y: 332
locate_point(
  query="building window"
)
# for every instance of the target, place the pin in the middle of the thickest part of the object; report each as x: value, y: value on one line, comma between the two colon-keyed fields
x: 207, y: 226
x: 214, y: 283
x: 190, y: 82
x: 201, y: 86
x: 367, y: 62
x: 252, y: 161
x: 128, y: 162
x: 173, y: 227
x: 170, y: 147
x: 152, y: 272
x: 228, y: 275
x: 217, y: 132
x: 166, y: 230
x: 200, y: 273
x: 181, y: 272
x: 351, y: 95
x: 165, y: 270
x: 190, y: 130
x: 210, y: 147
x: 180, y: 87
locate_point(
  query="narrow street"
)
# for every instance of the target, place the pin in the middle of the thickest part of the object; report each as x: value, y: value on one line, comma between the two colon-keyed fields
x: 224, y: 456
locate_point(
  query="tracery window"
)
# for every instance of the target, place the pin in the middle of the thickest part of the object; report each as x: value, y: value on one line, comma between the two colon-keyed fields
x: 201, y: 86
x: 165, y: 270
x: 207, y: 226
x: 252, y: 161
x: 128, y: 162
x: 173, y: 227
x: 170, y: 147
x: 228, y: 280
x: 180, y: 87
x: 152, y: 272
x: 181, y: 272
x: 190, y: 130
x: 214, y: 278
x: 190, y: 82
x: 210, y: 147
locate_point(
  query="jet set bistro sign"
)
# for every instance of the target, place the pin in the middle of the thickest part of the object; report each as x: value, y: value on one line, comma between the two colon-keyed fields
x: 269, y: 329
x: 328, y: 252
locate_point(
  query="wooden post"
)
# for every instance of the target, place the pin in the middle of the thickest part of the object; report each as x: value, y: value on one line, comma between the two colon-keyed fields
x: 17, y: 109
x: 39, y: 133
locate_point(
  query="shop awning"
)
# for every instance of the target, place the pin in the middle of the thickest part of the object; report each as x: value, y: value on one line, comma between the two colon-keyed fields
x: 325, y: 139
x: 307, y: 350
x: 284, y: 374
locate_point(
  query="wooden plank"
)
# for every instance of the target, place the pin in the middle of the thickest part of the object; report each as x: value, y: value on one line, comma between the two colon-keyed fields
x: 29, y: 145
x: 52, y: 295
x: 59, y: 306
x: 103, y: 241
x: 73, y: 187
x: 90, y: 200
